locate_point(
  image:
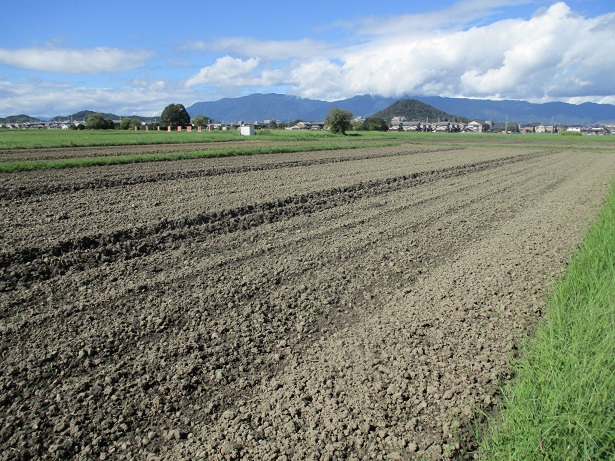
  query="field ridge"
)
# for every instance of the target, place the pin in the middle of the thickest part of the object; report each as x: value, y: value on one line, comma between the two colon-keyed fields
x: 28, y: 264
x: 361, y: 309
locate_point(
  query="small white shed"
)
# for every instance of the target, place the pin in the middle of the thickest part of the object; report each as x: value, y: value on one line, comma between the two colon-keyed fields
x: 247, y: 130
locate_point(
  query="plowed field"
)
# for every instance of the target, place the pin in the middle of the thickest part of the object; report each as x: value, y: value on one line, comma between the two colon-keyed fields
x: 359, y: 304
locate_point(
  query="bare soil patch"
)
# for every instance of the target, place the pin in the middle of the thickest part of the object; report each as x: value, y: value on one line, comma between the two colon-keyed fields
x: 355, y: 304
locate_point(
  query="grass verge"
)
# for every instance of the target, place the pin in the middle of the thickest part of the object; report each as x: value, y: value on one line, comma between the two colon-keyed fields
x: 31, y: 165
x: 561, y: 403
x: 47, y: 139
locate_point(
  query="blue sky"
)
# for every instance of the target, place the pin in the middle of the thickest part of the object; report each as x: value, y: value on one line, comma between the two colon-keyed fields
x: 123, y: 57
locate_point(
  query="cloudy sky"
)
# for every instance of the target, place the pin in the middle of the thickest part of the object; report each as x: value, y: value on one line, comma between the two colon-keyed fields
x: 58, y: 57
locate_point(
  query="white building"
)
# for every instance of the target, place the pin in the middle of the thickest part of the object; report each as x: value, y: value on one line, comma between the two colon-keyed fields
x: 247, y: 130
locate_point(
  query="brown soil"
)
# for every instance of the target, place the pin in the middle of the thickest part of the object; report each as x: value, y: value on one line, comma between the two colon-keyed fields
x: 325, y: 305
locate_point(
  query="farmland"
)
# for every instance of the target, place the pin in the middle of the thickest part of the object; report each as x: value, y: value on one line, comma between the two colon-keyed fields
x: 355, y: 303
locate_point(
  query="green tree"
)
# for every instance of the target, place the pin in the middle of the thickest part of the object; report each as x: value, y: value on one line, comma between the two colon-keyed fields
x: 375, y: 124
x: 96, y: 121
x: 339, y: 120
x: 175, y: 115
x: 201, y: 120
x: 130, y: 123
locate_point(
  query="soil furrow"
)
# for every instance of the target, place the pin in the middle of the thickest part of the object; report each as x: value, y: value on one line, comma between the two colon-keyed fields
x: 20, y: 192
x: 28, y: 264
x: 369, y: 319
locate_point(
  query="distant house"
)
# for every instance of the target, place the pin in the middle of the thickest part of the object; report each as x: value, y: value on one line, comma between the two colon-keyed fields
x: 479, y: 126
x: 299, y: 126
x: 542, y: 129
x: 402, y: 125
x: 596, y: 130
x: 525, y: 129
x: 307, y: 126
x: 458, y: 127
x: 441, y: 127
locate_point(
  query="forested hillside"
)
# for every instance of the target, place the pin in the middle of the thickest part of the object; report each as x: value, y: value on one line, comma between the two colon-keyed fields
x: 413, y: 109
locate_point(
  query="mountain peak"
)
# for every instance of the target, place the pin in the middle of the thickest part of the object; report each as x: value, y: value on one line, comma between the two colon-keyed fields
x: 286, y: 108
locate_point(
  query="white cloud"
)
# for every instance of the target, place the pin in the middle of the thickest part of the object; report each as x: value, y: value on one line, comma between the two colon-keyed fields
x: 73, y: 61
x: 226, y: 71
x: 47, y: 98
x: 147, y: 84
x: 556, y: 54
x: 461, y: 51
x: 458, y: 16
x: 317, y: 78
x: 267, y: 49
x: 553, y: 55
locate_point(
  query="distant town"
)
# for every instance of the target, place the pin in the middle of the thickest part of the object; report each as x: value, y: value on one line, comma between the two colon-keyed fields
x: 488, y: 126
x: 395, y: 124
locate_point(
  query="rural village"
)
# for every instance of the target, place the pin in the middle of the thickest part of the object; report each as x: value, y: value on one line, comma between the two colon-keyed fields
x: 396, y: 124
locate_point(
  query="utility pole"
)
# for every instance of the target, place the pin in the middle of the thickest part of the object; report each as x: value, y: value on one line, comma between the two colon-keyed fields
x: 552, y: 126
x: 506, y: 129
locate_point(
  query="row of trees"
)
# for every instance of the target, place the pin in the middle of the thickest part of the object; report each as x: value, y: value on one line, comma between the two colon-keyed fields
x: 175, y: 115
x: 340, y: 121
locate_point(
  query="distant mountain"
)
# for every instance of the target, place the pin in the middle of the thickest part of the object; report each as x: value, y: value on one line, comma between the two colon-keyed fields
x: 525, y: 112
x: 259, y: 107
x: 413, y: 109
x: 82, y: 115
x: 288, y: 108
x: 284, y: 107
x: 22, y: 118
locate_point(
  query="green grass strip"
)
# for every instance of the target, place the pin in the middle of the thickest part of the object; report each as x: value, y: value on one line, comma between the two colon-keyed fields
x: 561, y: 403
x: 32, y: 165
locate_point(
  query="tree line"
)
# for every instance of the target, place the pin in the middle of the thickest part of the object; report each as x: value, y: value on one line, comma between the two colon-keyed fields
x: 175, y: 115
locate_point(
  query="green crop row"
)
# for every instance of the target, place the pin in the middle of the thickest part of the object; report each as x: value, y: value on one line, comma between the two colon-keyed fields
x: 30, y: 165
x: 46, y: 139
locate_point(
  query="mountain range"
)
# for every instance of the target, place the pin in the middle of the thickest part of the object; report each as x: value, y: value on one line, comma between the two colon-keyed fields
x: 78, y: 116
x: 286, y: 108
x: 259, y: 107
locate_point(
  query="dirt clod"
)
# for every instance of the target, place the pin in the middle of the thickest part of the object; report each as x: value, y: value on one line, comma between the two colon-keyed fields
x: 357, y: 304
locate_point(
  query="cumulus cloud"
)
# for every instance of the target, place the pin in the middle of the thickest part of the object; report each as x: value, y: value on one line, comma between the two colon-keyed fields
x: 75, y: 61
x: 226, y: 71
x: 553, y: 55
x: 47, y: 98
x: 461, y: 51
x: 318, y: 78
x: 556, y: 54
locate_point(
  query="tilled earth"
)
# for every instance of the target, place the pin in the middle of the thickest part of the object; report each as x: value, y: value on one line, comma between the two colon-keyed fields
x: 355, y: 304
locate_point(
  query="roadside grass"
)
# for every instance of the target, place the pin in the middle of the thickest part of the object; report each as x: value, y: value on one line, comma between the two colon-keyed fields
x: 561, y: 403
x: 31, y: 165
